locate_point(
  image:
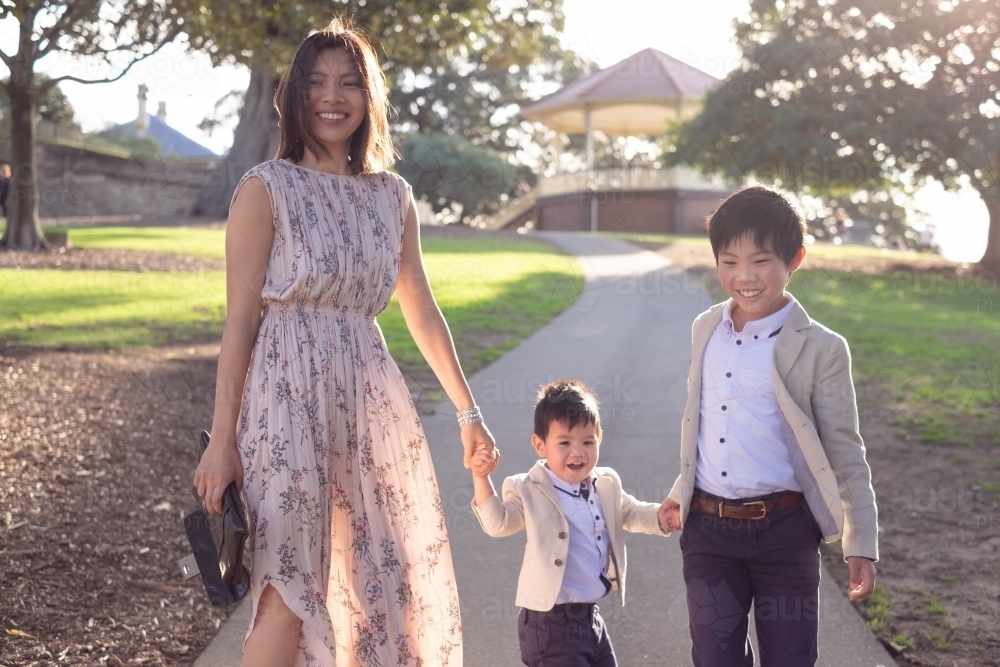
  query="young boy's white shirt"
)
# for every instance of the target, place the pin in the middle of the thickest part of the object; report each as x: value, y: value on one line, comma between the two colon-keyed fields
x: 811, y: 372
x: 530, y: 503
x: 741, y: 447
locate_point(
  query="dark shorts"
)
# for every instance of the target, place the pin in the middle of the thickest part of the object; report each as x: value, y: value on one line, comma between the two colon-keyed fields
x: 569, y: 635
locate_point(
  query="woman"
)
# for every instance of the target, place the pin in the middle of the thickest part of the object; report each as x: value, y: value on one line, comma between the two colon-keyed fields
x: 351, y: 563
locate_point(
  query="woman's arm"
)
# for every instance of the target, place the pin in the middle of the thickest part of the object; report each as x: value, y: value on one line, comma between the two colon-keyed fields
x: 249, y: 234
x: 430, y: 332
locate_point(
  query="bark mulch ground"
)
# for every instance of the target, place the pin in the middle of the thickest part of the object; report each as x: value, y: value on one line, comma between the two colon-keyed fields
x: 106, y: 259
x: 98, y: 455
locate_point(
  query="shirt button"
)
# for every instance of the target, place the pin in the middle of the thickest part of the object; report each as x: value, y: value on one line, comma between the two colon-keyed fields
x: 598, y: 537
x: 724, y: 473
x: 755, y: 338
x: 722, y: 439
x: 562, y: 535
x: 729, y: 375
x: 723, y: 407
x: 739, y: 342
x: 591, y: 502
x: 558, y: 562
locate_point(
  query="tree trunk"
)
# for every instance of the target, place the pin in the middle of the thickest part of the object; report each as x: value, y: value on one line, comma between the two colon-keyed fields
x: 255, y: 141
x: 991, y: 260
x: 24, y: 231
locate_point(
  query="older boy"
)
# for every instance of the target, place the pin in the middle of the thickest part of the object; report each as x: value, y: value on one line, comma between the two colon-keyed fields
x: 574, y: 514
x: 771, y: 458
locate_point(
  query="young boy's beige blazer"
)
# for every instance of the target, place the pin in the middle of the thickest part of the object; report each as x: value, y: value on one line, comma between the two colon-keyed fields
x: 812, y: 381
x: 530, y: 503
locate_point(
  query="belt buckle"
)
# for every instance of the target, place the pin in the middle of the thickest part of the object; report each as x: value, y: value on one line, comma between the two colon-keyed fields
x: 719, y: 507
x: 763, y: 509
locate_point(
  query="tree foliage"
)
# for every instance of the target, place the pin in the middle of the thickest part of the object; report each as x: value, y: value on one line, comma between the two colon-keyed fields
x: 55, y: 107
x: 833, y: 97
x: 453, y: 173
x: 458, y: 69
x: 454, y: 68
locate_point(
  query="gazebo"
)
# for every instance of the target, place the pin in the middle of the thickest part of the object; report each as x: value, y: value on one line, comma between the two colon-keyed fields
x: 639, y: 96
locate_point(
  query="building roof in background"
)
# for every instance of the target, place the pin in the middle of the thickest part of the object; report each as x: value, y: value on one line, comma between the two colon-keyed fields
x: 169, y: 140
x: 635, y: 96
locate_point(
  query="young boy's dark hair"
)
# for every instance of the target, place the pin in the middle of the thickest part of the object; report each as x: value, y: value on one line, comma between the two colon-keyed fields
x: 569, y: 402
x: 762, y: 213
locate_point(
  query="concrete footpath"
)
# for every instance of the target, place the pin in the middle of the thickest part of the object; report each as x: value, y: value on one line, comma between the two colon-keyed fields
x: 628, y: 335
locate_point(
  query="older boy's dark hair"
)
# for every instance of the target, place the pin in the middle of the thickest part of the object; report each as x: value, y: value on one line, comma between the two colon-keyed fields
x: 765, y: 215
x: 569, y: 402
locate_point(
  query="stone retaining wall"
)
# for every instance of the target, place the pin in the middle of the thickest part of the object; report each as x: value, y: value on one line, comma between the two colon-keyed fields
x: 79, y: 182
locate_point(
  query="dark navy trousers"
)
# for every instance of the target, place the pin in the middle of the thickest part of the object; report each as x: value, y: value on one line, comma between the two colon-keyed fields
x: 771, y: 562
x: 569, y: 635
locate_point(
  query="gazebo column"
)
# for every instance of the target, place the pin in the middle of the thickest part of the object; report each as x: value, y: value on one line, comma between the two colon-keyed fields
x: 589, y: 129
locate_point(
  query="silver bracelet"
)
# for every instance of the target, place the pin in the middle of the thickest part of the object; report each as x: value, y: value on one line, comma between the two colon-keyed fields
x: 471, y: 416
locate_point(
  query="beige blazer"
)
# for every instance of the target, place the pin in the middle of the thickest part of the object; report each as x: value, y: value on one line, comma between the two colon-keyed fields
x: 530, y: 503
x: 812, y: 381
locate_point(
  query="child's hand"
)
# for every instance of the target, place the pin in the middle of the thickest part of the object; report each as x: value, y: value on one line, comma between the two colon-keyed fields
x: 485, y: 461
x: 669, y: 516
x: 862, y: 572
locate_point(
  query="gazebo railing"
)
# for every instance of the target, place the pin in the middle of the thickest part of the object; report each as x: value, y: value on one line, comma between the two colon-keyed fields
x: 674, y: 178
x: 604, y: 180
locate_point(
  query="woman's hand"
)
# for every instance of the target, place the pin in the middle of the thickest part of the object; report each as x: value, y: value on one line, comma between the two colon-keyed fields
x: 474, y: 435
x: 220, y: 465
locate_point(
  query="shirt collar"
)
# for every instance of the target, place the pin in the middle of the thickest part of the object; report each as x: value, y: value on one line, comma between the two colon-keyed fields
x: 762, y: 328
x: 566, y: 487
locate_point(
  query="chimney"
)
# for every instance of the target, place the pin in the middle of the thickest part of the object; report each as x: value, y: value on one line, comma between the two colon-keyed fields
x: 142, y: 121
x: 161, y: 113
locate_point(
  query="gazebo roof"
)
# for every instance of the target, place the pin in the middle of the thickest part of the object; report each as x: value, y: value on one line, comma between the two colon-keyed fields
x: 638, y: 95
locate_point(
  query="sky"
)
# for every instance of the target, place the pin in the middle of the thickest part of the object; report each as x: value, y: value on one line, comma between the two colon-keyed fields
x: 698, y: 33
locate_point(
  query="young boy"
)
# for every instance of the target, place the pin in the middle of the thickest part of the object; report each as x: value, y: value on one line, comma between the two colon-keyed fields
x: 771, y: 458
x: 574, y: 514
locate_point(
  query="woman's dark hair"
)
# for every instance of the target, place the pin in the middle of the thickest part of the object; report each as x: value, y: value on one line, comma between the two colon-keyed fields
x: 765, y: 215
x: 371, y: 146
x: 568, y: 402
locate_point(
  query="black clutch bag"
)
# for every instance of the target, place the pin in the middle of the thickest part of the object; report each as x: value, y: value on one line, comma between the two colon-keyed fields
x: 217, y: 545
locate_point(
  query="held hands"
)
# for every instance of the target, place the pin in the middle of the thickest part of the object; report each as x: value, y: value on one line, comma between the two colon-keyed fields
x: 669, y: 516
x: 862, y: 577
x: 220, y: 465
x: 474, y: 436
x: 484, y: 461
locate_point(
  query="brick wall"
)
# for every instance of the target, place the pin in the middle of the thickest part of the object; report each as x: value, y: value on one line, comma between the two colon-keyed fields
x: 652, y: 212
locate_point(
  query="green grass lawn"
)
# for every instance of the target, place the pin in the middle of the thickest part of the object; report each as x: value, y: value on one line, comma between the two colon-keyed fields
x: 925, y: 347
x: 815, y: 250
x: 493, y: 293
x: 184, y: 240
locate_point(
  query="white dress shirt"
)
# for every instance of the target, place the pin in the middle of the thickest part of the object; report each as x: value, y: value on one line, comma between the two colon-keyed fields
x: 585, y: 578
x: 741, y: 449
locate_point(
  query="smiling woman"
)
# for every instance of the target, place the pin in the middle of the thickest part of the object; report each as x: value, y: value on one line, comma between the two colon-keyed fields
x: 335, y: 93
x: 350, y: 557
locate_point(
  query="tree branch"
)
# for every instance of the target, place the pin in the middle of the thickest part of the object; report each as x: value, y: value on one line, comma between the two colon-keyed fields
x: 72, y: 11
x: 47, y: 86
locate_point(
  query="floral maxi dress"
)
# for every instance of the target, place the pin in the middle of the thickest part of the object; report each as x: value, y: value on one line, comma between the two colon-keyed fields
x: 347, y: 520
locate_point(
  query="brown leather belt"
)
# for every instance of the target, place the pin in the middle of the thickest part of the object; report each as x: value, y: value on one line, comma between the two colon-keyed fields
x: 738, y: 509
